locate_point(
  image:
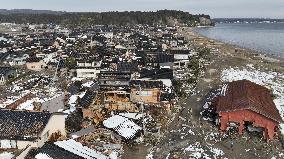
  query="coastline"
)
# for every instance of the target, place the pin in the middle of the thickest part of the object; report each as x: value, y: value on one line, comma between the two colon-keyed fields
x: 226, y: 50
x: 250, y: 52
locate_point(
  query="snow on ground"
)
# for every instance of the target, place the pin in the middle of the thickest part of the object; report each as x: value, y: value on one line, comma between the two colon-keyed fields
x: 216, y: 152
x: 196, y: 151
x: 6, y: 155
x: 269, y: 79
x: 150, y: 155
x: 28, y: 105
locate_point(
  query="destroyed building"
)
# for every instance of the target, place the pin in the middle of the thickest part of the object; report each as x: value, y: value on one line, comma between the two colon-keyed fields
x: 246, y: 103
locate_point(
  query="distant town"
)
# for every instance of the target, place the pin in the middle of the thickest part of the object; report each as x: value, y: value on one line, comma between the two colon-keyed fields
x: 134, y: 91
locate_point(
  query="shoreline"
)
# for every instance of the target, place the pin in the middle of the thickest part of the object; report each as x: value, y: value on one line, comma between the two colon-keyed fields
x: 250, y: 52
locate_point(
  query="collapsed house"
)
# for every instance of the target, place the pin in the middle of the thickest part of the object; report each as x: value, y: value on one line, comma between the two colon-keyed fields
x: 146, y: 91
x: 246, y: 103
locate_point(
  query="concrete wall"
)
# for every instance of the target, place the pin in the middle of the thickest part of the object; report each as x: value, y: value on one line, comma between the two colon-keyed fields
x: 55, y: 124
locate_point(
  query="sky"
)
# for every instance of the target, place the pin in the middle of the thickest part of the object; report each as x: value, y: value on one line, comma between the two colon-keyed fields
x: 215, y: 8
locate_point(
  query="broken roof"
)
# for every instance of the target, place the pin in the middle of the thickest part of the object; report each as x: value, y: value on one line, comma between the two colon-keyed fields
x: 88, y: 98
x: 22, y: 125
x: 245, y: 94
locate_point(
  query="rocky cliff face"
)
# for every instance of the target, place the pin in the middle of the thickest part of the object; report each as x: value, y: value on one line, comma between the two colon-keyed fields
x: 205, y: 21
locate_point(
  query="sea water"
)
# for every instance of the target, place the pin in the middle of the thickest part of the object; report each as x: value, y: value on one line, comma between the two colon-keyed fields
x: 263, y: 37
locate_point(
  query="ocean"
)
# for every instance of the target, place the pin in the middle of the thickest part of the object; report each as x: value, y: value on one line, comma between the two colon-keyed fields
x: 267, y: 38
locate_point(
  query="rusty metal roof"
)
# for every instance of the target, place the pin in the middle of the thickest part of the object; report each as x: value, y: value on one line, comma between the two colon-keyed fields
x: 245, y: 94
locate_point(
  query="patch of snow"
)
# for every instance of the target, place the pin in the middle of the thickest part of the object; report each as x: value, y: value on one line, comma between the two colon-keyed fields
x: 269, y: 79
x: 217, y: 152
x: 42, y: 156
x: 122, y: 126
x: 195, y: 149
x: 191, y: 132
x: 73, y: 100
x: 88, y: 84
x: 82, y: 94
x: 80, y: 150
x: 28, y: 105
x: 114, y: 155
x: 150, y: 155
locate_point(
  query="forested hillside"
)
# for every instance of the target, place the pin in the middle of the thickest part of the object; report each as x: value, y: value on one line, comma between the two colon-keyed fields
x: 163, y: 17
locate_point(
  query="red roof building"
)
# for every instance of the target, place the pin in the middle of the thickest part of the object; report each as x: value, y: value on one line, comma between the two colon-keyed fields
x: 244, y: 101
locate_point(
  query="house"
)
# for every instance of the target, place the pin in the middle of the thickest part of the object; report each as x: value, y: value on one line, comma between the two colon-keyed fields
x: 88, y: 69
x: 6, y: 73
x: 21, y: 129
x: 87, y: 72
x: 244, y: 103
x: 35, y: 64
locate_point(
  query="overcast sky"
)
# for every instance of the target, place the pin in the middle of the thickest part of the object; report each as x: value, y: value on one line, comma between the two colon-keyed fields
x: 216, y: 8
